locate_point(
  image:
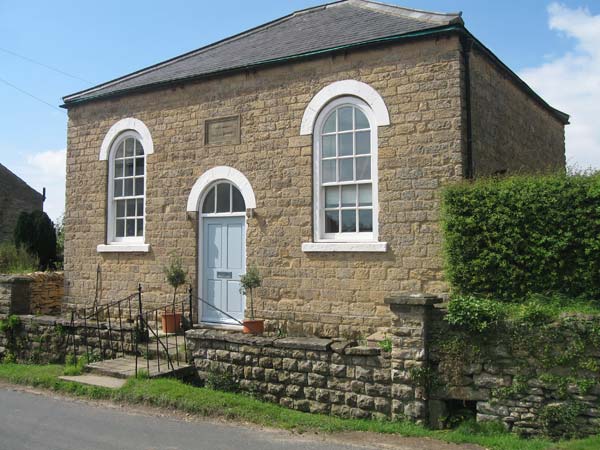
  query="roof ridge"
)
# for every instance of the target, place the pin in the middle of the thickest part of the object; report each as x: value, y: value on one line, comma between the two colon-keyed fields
x: 422, y: 16
x: 197, y: 51
x: 418, y: 14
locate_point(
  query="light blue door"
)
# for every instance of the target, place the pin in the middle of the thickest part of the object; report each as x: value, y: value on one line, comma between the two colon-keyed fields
x: 223, y: 262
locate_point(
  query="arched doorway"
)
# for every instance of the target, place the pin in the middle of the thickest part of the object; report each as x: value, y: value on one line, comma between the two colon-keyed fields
x: 220, y: 198
x: 222, y: 253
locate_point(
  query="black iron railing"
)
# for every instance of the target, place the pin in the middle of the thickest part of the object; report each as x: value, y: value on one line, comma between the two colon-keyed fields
x: 123, y: 327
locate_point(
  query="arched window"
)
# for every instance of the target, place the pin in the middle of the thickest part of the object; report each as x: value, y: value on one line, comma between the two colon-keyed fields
x: 127, y: 187
x: 345, y: 142
x: 223, y: 198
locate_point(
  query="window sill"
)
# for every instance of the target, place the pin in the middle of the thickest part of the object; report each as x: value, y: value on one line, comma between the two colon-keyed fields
x: 123, y: 248
x: 364, y: 247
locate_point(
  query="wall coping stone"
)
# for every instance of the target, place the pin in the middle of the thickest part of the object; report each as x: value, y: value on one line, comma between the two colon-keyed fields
x: 363, y: 351
x: 301, y: 343
x: 304, y: 343
x: 341, y: 346
x: 416, y: 299
x: 6, y: 278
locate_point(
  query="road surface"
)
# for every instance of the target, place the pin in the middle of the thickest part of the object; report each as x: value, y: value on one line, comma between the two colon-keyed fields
x: 34, y: 420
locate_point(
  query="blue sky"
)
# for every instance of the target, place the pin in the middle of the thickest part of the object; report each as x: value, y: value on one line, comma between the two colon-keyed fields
x: 555, y: 46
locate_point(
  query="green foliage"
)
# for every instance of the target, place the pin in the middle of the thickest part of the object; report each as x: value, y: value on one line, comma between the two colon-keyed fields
x: 474, y: 315
x: 559, y: 420
x: 16, y: 260
x: 74, y: 365
x: 175, y: 273
x: 386, y: 345
x: 423, y: 377
x: 35, y: 232
x: 222, y: 381
x: 518, y: 388
x: 250, y: 281
x: 520, y: 235
x: 11, y: 324
x: 143, y: 374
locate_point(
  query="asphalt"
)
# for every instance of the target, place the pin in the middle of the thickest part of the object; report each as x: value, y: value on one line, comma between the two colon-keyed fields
x: 33, y: 419
x: 36, y: 422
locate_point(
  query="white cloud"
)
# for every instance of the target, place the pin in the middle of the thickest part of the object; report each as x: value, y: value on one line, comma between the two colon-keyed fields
x: 571, y: 82
x: 46, y: 170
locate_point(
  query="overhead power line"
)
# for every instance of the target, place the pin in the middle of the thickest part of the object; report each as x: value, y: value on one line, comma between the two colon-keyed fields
x: 8, y: 83
x: 26, y: 58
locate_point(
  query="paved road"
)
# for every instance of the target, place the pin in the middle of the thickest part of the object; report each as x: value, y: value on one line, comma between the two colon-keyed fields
x: 36, y: 422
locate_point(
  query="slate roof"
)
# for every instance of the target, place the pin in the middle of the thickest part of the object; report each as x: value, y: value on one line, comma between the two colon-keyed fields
x: 319, y: 29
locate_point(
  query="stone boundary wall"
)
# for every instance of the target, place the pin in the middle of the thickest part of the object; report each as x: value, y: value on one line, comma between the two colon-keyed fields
x: 544, y: 381
x: 48, y: 339
x: 532, y: 388
x: 308, y: 374
x: 35, y: 293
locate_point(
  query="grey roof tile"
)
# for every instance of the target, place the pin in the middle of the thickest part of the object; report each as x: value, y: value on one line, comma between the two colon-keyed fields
x: 338, y: 24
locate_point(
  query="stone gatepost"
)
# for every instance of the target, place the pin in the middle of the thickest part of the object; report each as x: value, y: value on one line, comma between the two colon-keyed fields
x: 410, y: 367
x: 15, y: 294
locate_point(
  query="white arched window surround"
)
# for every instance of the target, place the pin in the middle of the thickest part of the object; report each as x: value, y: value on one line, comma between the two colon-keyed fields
x: 218, y: 173
x: 330, y: 98
x: 118, y: 133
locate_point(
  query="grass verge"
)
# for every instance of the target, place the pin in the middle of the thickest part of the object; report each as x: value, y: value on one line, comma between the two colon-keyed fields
x: 205, y: 402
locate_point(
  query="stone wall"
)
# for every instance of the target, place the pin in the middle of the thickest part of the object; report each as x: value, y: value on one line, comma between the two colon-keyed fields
x: 327, y: 294
x: 15, y: 197
x: 35, y: 293
x: 308, y: 374
x: 511, y: 131
x: 48, y: 339
x: 47, y: 292
x: 330, y: 376
x: 536, y: 379
x: 15, y: 294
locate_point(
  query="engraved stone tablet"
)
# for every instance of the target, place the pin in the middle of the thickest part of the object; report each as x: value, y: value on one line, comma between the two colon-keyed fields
x: 222, y: 131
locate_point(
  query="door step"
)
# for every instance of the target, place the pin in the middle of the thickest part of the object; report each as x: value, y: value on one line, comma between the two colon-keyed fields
x: 124, y: 367
x: 96, y: 380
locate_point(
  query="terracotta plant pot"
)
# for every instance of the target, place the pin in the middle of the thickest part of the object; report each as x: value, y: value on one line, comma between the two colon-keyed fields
x: 253, y: 326
x: 171, y: 322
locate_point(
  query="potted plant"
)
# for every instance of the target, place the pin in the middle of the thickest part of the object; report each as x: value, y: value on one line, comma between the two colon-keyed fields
x: 176, y: 276
x: 249, y: 281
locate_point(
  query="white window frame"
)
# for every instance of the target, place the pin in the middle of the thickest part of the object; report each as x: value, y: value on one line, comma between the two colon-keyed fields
x: 357, y: 241
x: 319, y: 190
x: 372, y: 104
x: 111, y: 237
x: 121, y: 130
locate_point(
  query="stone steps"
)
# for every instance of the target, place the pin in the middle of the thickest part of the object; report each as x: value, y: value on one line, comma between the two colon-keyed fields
x: 124, y: 367
x: 96, y: 380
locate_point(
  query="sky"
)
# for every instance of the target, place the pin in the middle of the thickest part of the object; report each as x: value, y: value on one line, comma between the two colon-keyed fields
x: 51, y: 49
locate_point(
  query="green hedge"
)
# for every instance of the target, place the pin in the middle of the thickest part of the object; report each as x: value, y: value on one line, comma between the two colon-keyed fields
x: 511, y: 237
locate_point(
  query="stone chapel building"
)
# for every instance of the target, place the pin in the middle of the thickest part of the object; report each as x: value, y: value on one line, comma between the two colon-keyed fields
x: 313, y: 147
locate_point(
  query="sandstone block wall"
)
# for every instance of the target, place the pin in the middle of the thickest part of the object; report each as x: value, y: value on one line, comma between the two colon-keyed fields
x: 15, y: 197
x: 511, y: 132
x: 304, y: 294
x: 35, y: 293
x: 308, y: 374
x: 47, y: 292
